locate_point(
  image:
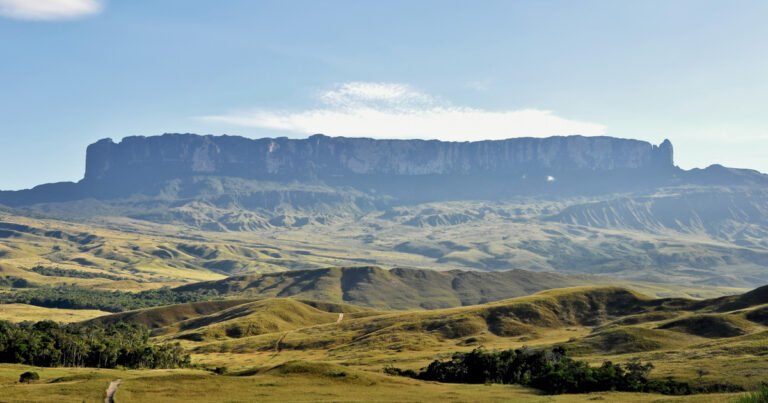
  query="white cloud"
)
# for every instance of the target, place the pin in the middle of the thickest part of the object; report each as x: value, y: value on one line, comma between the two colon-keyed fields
x: 352, y: 95
x: 49, y: 9
x: 383, y: 110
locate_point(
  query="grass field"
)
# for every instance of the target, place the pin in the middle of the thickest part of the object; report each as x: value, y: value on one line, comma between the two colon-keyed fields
x: 293, y: 381
x: 304, y: 355
x: 22, y: 312
x: 289, y: 350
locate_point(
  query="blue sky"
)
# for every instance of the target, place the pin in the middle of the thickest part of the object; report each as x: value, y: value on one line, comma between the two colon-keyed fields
x: 75, y: 71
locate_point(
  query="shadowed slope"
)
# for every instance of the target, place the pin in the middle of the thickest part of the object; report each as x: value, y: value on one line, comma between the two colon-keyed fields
x: 394, y: 289
x: 235, y: 318
x: 583, y: 306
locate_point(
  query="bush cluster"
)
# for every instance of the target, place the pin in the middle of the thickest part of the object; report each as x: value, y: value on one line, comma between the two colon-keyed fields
x: 14, y: 282
x: 550, y: 371
x: 758, y: 396
x: 28, y: 377
x: 74, y: 297
x: 59, y: 272
x: 49, y: 344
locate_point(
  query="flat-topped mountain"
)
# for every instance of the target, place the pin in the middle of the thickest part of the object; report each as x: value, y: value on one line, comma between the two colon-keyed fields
x: 395, y: 170
x: 177, y: 155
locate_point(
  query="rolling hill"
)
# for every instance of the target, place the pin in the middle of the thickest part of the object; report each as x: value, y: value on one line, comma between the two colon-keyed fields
x: 590, y: 322
x: 235, y: 318
x: 402, y: 288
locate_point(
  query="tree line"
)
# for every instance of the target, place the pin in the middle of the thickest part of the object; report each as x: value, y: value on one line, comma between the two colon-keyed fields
x: 74, y: 297
x: 550, y: 371
x: 50, y: 344
x: 59, y: 272
x: 14, y: 282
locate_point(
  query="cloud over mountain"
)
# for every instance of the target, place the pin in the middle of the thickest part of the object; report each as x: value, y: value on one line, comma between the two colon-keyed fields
x: 394, y: 110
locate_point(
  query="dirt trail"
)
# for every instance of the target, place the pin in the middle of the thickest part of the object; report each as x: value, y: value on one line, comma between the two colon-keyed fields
x: 279, y: 348
x: 111, y: 391
x: 280, y: 340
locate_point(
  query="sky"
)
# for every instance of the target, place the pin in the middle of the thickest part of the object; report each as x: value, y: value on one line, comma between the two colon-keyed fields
x: 76, y: 71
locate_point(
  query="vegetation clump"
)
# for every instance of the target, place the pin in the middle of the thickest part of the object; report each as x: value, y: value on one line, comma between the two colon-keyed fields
x: 74, y: 297
x: 59, y: 272
x: 29, y: 376
x: 550, y: 371
x: 15, y: 282
x: 758, y: 396
x: 49, y: 344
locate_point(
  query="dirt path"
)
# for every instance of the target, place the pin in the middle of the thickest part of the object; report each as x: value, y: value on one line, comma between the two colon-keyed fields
x: 111, y: 391
x: 279, y: 348
x: 280, y: 340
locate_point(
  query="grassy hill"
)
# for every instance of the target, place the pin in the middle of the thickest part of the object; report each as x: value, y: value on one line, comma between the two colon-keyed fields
x: 592, y: 322
x: 397, y: 288
x: 272, y: 343
x: 581, y: 306
x: 212, y: 320
x: 425, y: 330
x: 602, y: 309
x: 402, y: 288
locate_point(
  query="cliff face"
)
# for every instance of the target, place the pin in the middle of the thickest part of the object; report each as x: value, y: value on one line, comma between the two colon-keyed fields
x: 399, y: 171
x: 179, y: 155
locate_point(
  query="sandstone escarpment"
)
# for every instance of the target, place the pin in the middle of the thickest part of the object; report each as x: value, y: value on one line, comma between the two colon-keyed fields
x: 175, y: 155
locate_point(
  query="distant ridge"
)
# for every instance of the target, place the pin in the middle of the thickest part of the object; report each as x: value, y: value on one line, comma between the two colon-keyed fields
x: 392, y: 171
x: 398, y: 288
x: 177, y: 155
x: 407, y: 170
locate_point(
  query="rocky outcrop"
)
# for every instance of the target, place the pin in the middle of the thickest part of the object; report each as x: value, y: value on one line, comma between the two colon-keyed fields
x: 178, y: 155
x: 382, y: 172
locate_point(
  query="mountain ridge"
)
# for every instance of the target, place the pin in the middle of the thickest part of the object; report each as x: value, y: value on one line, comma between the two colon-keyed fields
x: 408, y: 170
x: 390, y: 171
x: 276, y: 156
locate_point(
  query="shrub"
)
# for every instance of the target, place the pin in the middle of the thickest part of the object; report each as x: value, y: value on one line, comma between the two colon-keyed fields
x: 758, y: 396
x: 391, y: 370
x: 548, y: 370
x: 28, y: 377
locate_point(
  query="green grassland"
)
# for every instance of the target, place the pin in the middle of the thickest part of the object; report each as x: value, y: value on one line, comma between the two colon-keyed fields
x: 22, y: 312
x: 279, y: 349
x: 295, y: 381
x: 284, y: 341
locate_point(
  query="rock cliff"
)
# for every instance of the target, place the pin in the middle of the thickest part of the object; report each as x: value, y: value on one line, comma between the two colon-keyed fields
x: 319, y: 156
x: 371, y: 172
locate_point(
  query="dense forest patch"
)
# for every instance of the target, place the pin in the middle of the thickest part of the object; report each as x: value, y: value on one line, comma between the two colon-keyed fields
x: 74, y: 297
x: 550, y: 371
x: 49, y: 344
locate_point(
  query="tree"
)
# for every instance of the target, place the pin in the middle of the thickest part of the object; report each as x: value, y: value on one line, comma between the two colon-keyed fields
x: 29, y: 376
